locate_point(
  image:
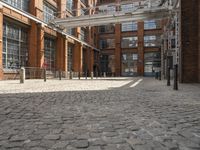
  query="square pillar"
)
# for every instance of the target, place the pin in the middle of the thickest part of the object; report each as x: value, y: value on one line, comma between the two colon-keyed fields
x: 140, y: 48
x: 60, y: 53
x: 40, y: 46
x: 33, y: 45
x: 1, y: 42
x: 78, y: 58
x: 117, y: 50
x: 91, y: 59
x: 36, y: 8
x: 61, y: 8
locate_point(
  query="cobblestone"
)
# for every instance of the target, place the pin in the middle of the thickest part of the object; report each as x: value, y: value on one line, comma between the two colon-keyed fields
x: 102, y: 114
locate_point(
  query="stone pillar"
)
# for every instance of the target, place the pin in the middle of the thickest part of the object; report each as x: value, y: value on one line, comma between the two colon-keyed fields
x: 78, y: 57
x: 189, y: 44
x: 40, y: 46
x: 117, y: 50
x: 141, y: 48
x: 1, y: 42
x: 60, y: 52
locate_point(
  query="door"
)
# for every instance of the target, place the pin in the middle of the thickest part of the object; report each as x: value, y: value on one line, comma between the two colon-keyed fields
x: 129, y: 64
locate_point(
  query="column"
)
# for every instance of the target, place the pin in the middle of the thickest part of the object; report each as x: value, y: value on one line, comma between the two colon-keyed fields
x: 1, y: 42
x: 33, y: 45
x: 40, y: 46
x: 36, y: 8
x: 140, y: 48
x: 117, y: 50
x: 91, y: 60
x: 60, y: 52
x: 61, y: 8
x: 78, y: 58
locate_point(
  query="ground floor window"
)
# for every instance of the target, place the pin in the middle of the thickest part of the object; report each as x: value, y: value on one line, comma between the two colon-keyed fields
x: 129, y: 64
x: 152, y: 63
x: 69, y: 57
x: 49, y: 53
x: 15, y: 46
x: 108, y: 64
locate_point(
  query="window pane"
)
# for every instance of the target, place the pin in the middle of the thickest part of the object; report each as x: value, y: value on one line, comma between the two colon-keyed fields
x: 129, y: 42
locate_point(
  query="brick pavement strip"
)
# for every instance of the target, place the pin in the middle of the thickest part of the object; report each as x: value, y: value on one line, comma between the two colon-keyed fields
x: 104, y: 114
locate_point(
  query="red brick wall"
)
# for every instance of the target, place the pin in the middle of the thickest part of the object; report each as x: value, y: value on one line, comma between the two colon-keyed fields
x: 117, y: 49
x: 199, y: 38
x: 189, y: 34
x: 1, y: 43
x: 141, y: 48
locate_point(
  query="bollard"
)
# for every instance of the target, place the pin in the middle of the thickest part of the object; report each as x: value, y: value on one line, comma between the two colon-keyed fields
x: 71, y: 75
x: 45, y: 75
x: 92, y: 75
x: 79, y: 75
x: 168, y: 76
x: 159, y: 75
x: 86, y: 75
x: 22, y: 75
x: 104, y: 74
x: 176, y: 77
x: 156, y: 75
x: 60, y: 74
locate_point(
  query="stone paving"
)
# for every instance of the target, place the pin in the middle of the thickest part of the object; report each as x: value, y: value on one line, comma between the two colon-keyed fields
x: 99, y: 115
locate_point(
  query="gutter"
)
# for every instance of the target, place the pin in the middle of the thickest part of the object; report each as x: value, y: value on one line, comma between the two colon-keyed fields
x: 28, y: 15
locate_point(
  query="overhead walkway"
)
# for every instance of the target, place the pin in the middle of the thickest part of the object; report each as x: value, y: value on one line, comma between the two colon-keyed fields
x: 141, y: 10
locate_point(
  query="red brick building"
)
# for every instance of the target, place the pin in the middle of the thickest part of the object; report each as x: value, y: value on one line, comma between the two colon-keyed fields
x: 130, y: 48
x: 126, y: 49
x: 27, y: 40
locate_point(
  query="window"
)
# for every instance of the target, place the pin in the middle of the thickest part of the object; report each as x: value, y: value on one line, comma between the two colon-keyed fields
x: 107, y: 9
x: 69, y: 57
x: 152, y: 24
x: 152, y: 41
x: 49, y: 53
x: 83, y: 34
x: 108, y: 64
x: 107, y: 43
x: 49, y: 12
x: 20, y: 4
x: 107, y: 29
x: 129, y: 42
x: 129, y: 26
x: 70, y: 5
x: 127, y: 7
x: 71, y: 31
x: 15, y: 46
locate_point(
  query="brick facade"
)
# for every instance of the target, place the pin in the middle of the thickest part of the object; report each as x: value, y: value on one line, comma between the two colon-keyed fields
x: 1, y: 41
x: 37, y: 33
x: 190, y: 43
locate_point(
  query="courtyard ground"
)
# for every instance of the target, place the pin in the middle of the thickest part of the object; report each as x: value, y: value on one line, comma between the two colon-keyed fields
x: 100, y: 114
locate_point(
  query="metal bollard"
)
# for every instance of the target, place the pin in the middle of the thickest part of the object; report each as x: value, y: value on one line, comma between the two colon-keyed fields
x: 176, y: 77
x: 45, y: 75
x: 159, y: 75
x: 168, y: 76
x: 60, y: 74
x: 86, y: 75
x: 79, y: 75
x: 104, y: 74
x: 71, y: 75
x: 22, y: 75
x: 92, y: 75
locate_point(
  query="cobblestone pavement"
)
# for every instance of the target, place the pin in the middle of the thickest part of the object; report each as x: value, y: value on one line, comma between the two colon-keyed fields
x: 107, y: 114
